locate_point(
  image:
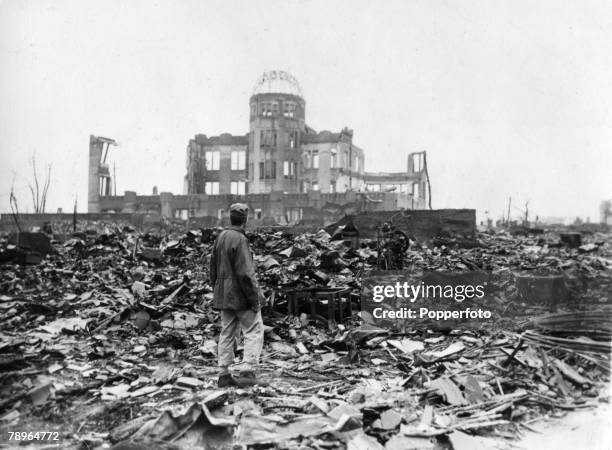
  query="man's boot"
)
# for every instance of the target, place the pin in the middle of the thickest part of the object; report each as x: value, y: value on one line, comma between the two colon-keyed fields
x: 226, y: 379
x: 248, y: 378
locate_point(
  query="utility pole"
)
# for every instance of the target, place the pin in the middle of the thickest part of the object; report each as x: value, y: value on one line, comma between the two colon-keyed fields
x: 114, y: 179
x: 509, y: 203
x: 427, y: 178
x: 74, y: 215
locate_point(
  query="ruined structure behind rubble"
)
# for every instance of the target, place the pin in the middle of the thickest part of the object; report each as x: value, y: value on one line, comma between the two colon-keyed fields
x: 282, y: 168
x: 605, y: 211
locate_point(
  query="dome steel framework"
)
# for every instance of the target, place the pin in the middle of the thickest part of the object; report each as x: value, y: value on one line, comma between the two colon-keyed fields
x: 277, y: 82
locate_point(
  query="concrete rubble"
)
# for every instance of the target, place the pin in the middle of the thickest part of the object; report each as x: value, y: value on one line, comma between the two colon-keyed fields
x: 109, y: 339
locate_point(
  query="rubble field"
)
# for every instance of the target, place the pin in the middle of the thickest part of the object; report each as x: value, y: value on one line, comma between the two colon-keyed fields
x: 109, y: 341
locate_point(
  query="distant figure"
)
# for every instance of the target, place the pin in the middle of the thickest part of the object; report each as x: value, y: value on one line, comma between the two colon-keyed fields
x: 47, y: 229
x: 237, y: 295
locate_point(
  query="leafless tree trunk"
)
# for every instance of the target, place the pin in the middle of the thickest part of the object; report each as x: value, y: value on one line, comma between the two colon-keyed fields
x: 39, y: 196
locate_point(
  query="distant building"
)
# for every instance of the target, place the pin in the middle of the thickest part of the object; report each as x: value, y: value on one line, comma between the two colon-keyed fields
x: 285, y: 170
x: 282, y: 153
x: 605, y: 212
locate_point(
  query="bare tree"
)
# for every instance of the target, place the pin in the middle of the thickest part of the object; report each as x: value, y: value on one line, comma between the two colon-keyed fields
x: 39, y: 194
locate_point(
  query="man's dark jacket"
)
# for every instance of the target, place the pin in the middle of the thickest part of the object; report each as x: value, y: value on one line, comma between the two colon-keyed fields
x: 232, y: 272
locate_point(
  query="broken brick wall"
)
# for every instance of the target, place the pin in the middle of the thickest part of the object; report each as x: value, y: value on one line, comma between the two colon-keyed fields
x: 28, y: 221
x: 420, y: 224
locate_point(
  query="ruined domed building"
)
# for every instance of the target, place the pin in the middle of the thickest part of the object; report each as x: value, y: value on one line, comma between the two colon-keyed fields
x: 286, y: 171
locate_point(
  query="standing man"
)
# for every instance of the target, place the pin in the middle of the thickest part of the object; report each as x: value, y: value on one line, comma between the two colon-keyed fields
x: 237, y: 295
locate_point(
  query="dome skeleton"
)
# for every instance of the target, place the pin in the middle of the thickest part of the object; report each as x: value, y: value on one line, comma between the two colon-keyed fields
x: 277, y: 82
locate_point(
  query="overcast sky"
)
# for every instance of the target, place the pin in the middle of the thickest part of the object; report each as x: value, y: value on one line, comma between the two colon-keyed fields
x: 509, y: 98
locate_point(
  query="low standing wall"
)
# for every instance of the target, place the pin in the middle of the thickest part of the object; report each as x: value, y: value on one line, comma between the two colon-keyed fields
x: 421, y: 223
x: 62, y: 222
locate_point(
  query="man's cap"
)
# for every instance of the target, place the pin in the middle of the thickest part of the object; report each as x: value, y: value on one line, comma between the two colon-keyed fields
x: 239, y: 208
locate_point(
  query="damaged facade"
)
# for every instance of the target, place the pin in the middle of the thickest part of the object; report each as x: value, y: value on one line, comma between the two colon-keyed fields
x: 99, y: 179
x: 286, y: 171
